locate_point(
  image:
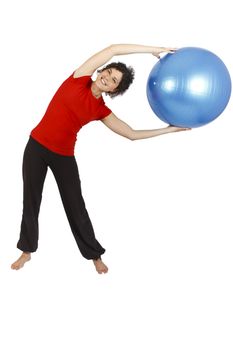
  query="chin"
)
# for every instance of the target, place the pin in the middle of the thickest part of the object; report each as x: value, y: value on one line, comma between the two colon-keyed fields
x: 100, y: 85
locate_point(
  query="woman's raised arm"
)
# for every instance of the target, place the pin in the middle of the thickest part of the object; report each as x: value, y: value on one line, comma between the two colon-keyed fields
x: 103, y: 56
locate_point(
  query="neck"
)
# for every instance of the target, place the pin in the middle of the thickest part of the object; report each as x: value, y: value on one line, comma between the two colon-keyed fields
x: 96, y: 92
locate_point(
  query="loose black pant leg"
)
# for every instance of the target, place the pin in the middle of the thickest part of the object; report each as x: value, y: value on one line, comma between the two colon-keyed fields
x: 66, y: 174
x: 34, y: 173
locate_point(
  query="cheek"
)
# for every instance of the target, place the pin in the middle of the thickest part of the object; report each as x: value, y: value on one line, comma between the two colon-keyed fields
x: 113, y: 87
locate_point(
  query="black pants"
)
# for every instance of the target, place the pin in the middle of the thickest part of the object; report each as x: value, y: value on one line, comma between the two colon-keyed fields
x: 36, y: 161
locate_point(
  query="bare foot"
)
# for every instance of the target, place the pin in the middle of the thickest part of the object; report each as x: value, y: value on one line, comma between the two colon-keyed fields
x: 18, y: 264
x: 100, y: 266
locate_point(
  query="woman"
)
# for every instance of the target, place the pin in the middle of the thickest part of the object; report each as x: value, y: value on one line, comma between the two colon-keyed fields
x: 51, y: 144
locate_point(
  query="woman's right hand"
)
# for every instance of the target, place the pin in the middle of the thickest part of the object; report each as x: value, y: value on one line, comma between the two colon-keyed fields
x: 159, y: 50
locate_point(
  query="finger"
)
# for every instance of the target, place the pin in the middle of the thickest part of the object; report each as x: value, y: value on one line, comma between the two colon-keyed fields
x: 170, y: 49
x: 156, y: 55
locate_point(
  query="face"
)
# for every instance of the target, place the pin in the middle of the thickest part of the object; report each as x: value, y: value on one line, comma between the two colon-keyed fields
x: 109, y: 79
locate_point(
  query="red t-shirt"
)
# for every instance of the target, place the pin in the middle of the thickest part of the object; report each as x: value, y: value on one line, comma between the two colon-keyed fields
x: 72, y: 106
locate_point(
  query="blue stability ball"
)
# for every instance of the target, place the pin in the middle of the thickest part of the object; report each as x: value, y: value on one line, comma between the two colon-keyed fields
x: 189, y: 88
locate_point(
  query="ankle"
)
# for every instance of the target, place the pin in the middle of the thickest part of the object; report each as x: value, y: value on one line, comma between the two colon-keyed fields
x: 99, y: 258
x: 26, y: 254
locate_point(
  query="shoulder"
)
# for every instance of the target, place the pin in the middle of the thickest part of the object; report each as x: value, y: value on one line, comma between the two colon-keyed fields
x: 76, y: 77
x: 79, y: 75
x: 81, y: 80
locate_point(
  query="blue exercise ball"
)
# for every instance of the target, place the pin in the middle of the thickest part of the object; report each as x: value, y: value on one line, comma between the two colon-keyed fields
x: 189, y: 88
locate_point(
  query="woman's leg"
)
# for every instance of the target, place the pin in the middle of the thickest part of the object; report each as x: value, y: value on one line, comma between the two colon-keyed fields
x: 66, y: 174
x: 34, y: 173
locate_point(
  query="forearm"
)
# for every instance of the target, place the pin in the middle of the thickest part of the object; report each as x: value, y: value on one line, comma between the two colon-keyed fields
x: 145, y: 134
x: 125, y: 49
x: 121, y: 128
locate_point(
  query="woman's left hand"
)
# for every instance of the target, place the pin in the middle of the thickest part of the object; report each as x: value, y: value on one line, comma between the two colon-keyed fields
x: 159, y: 50
x: 171, y: 128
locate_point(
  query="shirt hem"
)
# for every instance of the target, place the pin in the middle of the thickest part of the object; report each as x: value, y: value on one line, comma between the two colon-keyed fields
x: 51, y: 148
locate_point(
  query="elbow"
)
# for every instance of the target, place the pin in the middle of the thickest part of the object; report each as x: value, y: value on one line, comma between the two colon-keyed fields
x: 115, y: 49
x: 132, y: 136
x: 112, y: 49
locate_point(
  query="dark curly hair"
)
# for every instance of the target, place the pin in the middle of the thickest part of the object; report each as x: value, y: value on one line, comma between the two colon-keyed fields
x: 127, y: 77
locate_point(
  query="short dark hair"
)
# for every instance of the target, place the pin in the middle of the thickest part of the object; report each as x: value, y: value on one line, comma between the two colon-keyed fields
x: 127, y: 77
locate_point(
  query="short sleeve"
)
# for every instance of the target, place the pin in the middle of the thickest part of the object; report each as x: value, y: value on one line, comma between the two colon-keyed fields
x: 104, y: 111
x: 84, y: 79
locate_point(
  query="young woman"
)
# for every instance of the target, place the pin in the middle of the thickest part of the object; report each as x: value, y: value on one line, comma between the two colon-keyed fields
x: 51, y: 144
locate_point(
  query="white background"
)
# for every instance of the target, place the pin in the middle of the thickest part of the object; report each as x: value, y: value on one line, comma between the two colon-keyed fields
x: 161, y: 207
